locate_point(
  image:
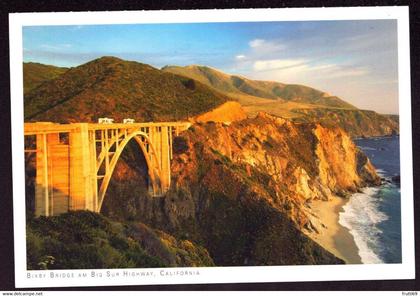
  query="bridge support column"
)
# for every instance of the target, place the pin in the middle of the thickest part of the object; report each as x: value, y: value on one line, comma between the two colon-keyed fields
x: 52, y: 180
x: 42, y: 182
x: 82, y: 175
x: 165, y: 159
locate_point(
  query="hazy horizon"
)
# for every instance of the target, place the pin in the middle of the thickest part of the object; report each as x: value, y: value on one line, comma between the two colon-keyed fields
x: 354, y: 60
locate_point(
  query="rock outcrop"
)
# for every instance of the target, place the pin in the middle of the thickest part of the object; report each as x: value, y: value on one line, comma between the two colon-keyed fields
x: 227, y: 113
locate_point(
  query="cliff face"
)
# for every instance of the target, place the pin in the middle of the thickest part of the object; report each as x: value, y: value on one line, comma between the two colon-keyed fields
x: 243, y: 190
x: 296, y: 162
x: 342, y: 166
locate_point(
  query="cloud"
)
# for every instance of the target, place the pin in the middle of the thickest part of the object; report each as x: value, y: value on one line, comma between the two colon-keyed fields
x: 256, y: 43
x: 240, y: 57
x: 299, y: 70
x: 56, y: 46
x: 261, y: 47
x: 264, y: 65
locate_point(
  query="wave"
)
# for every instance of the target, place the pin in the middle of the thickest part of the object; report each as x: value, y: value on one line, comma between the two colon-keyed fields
x: 381, y: 173
x: 361, y: 216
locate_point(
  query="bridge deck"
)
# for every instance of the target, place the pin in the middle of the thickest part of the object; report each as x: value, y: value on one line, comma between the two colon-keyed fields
x: 50, y: 127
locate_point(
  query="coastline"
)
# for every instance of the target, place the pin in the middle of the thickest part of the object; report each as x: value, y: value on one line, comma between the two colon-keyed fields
x: 332, y: 235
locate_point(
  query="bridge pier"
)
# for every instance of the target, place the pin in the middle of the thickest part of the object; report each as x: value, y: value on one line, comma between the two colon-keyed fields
x: 165, y: 158
x: 82, y: 174
x: 42, y: 192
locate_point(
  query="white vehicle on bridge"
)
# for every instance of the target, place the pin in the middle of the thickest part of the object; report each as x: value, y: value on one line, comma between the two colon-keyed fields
x: 105, y: 120
x: 128, y: 120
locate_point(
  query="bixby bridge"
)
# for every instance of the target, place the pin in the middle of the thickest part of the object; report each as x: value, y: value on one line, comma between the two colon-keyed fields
x: 75, y: 162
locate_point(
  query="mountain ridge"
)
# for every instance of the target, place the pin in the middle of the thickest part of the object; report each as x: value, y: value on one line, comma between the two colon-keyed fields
x: 112, y: 87
x: 238, y: 84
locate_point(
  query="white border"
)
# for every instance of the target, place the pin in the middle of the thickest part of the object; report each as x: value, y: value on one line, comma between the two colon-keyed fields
x: 405, y: 270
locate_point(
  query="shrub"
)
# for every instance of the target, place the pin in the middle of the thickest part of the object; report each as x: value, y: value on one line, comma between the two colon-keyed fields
x: 82, y: 239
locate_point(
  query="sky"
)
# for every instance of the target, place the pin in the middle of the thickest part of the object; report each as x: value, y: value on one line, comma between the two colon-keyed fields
x: 354, y: 60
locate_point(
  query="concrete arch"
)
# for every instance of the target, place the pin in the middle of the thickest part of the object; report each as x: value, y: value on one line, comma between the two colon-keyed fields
x: 152, y: 163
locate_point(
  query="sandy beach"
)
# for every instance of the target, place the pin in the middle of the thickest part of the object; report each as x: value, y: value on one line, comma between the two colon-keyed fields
x: 332, y: 236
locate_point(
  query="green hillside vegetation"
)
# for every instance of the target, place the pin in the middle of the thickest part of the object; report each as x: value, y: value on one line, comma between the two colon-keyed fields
x: 240, y: 88
x: 34, y: 74
x: 83, y: 239
x: 111, y: 87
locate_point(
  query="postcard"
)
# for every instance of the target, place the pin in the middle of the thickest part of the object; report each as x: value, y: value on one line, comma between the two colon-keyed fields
x: 211, y: 146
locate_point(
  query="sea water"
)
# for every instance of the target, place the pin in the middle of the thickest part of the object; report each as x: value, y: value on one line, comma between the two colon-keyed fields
x: 374, y: 216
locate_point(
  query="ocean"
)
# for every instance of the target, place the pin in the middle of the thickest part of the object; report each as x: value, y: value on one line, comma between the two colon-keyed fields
x: 374, y: 216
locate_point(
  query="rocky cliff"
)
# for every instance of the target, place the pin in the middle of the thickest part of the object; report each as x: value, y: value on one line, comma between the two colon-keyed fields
x: 243, y: 190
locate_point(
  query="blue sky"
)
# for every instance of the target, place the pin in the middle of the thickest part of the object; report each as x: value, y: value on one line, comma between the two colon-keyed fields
x: 355, y: 60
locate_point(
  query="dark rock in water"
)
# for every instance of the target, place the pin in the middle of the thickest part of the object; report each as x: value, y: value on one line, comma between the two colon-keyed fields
x: 396, y: 179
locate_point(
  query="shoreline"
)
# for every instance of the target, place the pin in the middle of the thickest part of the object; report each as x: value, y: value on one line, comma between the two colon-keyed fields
x: 332, y: 236
x: 374, y: 137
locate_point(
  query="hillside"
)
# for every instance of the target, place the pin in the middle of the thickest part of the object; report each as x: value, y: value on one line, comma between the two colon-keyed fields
x: 296, y: 102
x: 244, y: 89
x: 34, y: 74
x: 358, y: 123
x: 82, y: 239
x: 111, y: 87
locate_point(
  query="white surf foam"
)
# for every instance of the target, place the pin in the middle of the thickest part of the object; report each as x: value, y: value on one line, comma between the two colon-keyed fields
x: 361, y: 216
x: 381, y: 173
